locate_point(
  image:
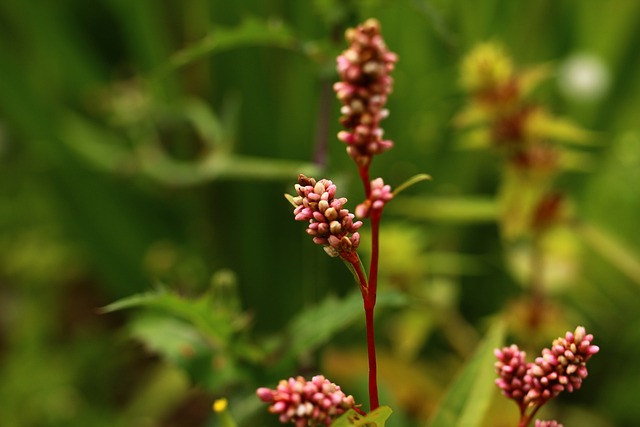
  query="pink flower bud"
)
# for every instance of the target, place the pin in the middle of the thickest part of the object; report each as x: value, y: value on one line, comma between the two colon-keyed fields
x: 304, y: 403
x: 364, y: 70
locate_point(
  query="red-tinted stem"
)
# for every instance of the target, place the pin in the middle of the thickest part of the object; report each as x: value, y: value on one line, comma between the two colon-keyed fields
x: 369, y: 306
x: 364, y: 177
x: 371, y: 350
x: 353, y: 259
x: 525, y: 419
x: 375, y: 254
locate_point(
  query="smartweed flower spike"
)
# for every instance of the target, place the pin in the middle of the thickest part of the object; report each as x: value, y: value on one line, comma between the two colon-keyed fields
x: 560, y: 368
x: 306, y: 403
x: 365, y: 84
x: 563, y: 367
x: 331, y: 225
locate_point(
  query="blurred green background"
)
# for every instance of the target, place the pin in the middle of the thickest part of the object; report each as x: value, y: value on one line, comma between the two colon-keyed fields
x: 146, y: 145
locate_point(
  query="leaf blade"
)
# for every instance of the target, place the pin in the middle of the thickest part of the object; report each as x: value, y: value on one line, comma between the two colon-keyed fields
x: 469, y: 396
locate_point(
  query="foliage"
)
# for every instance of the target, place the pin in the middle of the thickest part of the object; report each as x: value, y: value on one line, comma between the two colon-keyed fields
x: 148, y: 143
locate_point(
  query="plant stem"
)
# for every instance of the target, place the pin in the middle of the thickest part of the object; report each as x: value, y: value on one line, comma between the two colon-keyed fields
x: 369, y: 300
x: 353, y: 262
x: 375, y: 254
x: 525, y: 418
x: 371, y: 350
x: 364, y: 177
x: 369, y: 306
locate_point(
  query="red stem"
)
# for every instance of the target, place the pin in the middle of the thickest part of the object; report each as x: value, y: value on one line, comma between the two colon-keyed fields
x: 364, y: 177
x: 525, y: 419
x: 371, y: 349
x: 369, y: 306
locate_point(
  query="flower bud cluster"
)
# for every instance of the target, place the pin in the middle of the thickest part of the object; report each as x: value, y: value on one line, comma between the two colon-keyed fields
x: 380, y: 194
x: 330, y: 224
x: 563, y: 367
x: 306, y: 403
x: 511, y: 368
x: 364, y: 70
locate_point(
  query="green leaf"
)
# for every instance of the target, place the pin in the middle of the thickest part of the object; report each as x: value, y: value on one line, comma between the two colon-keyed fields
x: 176, y: 340
x: 611, y: 249
x: 411, y: 181
x: 460, y: 210
x: 351, y: 418
x: 252, y: 32
x: 213, y: 321
x: 468, y: 398
x: 316, y: 325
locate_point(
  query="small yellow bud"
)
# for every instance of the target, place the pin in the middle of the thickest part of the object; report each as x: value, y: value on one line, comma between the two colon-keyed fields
x: 220, y: 405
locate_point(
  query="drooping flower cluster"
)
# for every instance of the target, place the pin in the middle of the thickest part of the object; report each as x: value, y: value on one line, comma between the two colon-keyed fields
x: 364, y: 70
x: 306, y: 403
x: 560, y: 368
x: 380, y: 194
x: 330, y: 224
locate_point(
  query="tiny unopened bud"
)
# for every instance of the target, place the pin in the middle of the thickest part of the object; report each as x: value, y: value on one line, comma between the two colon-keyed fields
x: 319, y: 188
x: 323, y: 205
x: 331, y: 214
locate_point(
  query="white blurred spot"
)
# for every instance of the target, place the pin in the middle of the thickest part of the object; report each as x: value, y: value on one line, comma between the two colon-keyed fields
x: 584, y: 77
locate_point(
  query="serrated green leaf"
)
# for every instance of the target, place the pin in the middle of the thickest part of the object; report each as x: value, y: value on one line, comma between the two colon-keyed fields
x: 174, y: 339
x: 214, y: 323
x: 468, y: 398
x: 351, y: 418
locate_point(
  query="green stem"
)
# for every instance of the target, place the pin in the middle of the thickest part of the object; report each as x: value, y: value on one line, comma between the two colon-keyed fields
x: 352, y: 260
